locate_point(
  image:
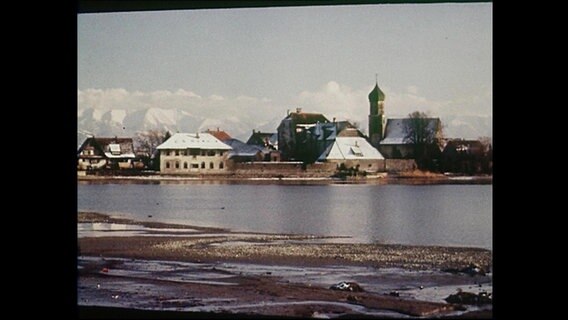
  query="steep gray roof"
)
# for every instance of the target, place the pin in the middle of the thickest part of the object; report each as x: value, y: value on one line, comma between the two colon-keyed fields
x: 242, y: 149
x: 395, y: 131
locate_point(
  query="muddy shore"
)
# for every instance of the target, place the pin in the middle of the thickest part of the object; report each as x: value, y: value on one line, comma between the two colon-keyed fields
x: 184, y: 269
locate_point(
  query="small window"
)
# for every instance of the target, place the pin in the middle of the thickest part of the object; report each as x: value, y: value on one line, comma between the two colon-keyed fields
x: 177, y: 165
x: 182, y: 153
x: 195, y: 166
x: 177, y: 152
x: 221, y: 165
x: 211, y: 153
x: 185, y: 165
x: 202, y: 165
x: 211, y: 166
x: 203, y: 153
x: 167, y: 165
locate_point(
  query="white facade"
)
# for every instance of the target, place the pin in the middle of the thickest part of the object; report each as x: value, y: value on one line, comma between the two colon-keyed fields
x: 354, y: 152
x: 193, y: 153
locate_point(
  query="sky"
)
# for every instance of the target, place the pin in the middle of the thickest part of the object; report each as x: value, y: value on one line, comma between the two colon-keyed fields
x: 261, y: 62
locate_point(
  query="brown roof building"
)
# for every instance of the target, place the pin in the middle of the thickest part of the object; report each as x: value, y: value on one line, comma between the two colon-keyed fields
x: 219, y: 134
x: 105, y: 153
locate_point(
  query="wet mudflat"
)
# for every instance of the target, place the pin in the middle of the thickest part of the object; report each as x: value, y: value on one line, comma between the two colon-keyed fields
x: 261, y: 275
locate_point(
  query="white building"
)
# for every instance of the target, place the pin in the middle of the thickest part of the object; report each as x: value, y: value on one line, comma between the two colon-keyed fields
x: 354, y: 152
x: 193, y: 153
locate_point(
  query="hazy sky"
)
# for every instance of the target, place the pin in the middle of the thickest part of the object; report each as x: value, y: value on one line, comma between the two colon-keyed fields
x: 428, y: 57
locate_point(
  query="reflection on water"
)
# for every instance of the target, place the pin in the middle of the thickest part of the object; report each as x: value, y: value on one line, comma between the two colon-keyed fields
x: 456, y: 215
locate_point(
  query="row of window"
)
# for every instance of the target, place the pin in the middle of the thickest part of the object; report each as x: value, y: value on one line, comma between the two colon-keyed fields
x: 195, y: 152
x: 176, y: 164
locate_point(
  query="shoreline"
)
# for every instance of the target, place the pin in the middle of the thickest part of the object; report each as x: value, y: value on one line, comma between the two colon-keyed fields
x: 177, y: 242
x: 371, y: 180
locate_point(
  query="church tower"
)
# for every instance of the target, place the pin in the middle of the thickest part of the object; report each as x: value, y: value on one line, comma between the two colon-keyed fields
x: 376, y: 115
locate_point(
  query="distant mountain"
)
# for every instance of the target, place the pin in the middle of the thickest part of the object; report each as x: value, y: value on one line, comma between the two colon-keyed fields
x: 125, y: 123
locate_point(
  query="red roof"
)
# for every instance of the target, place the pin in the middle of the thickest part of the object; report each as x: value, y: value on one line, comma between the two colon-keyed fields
x: 219, y: 134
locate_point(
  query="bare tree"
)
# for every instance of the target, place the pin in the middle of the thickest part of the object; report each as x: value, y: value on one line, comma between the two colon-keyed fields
x: 486, y: 142
x: 487, y: 159
x: 147, y: 141
x: 425, y: 134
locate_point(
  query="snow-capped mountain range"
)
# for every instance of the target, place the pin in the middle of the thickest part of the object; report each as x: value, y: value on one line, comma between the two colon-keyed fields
x: 125, y: 123
x: 120, y: 122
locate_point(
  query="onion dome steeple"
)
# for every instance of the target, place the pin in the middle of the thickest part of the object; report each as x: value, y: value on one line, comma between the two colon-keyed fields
x: 377, y: 120
x: 376, y: 94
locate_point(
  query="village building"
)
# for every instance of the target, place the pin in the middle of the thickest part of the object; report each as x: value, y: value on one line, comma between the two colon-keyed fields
x: 464, y: 156
x: 106, y: 153
x: 305, y: 136
x: 353, y: 152
x: 193, y: 153
x: 293, y: 135
x: 264, y: 139
x: 242, y: 152
x: 219, y: 134
x: 396, y: 143
x: 392, y: 136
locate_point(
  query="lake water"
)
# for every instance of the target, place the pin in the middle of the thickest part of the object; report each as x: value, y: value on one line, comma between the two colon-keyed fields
x: 449, y: 215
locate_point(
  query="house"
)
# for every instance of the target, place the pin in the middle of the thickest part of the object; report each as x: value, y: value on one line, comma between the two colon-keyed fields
x: 193, y: 153
x: 353, y: 152
x: 294, y: 135
x: 465, y: 156
x: 219, y: 134
x: 242, y: 152
x: 264, y: 139
x: 105, y: 153
x: 396, y: 143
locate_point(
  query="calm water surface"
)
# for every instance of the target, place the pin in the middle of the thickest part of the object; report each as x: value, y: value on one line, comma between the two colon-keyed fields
x: 454, y: 215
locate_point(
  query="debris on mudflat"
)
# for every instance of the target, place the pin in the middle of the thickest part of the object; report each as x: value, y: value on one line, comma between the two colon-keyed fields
x: 470, y: 298
x: 472, y: 270
x: 394, y: 294
x: 347, y: 286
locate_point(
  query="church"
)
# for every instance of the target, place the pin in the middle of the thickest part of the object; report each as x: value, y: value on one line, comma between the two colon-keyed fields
x: 392, y: 137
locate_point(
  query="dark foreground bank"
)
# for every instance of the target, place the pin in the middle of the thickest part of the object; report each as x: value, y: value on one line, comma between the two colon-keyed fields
x: 174, y: 272
x: 93, y: 312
